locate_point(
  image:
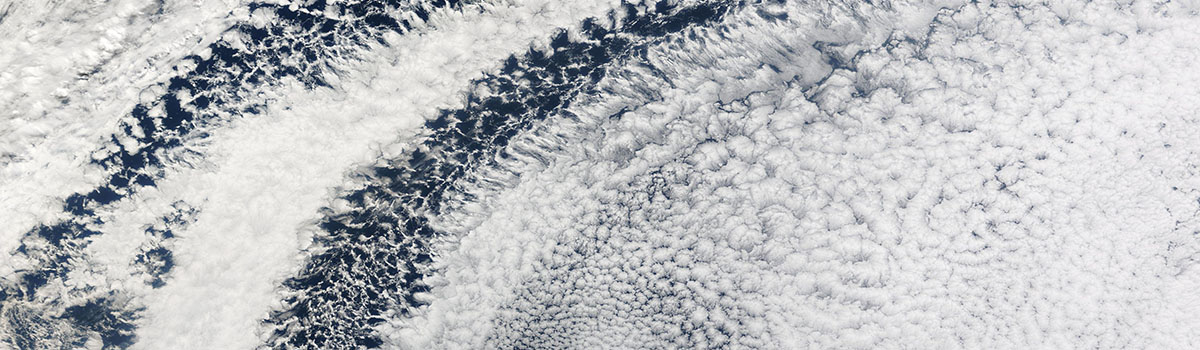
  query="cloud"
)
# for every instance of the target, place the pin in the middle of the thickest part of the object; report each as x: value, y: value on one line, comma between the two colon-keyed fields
x: 819, y: 174
x: 1011, y: 176
x: 258, y: 184
x: 70, y: 72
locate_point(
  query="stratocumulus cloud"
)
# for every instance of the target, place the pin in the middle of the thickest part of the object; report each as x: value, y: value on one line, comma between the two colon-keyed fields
x: 535, y: 174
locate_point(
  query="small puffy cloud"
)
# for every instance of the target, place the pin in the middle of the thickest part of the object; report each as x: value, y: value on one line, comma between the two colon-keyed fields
x: 1011, y: 176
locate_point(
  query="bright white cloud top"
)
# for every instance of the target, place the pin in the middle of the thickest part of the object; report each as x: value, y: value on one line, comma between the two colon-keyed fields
x: 413, y: 174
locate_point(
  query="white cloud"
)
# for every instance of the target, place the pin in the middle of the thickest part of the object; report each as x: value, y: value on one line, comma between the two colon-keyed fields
x: 70, y: 71
x: 1018, y: 178
x: 1007, y: 175
x: 263, y: 179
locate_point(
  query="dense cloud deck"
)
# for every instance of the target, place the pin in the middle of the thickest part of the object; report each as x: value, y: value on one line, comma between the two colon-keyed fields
x: 412, y: 174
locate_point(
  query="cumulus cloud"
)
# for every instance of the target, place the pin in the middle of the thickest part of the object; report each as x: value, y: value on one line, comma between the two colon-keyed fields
x: 266, y: 178
x: 814, y: 174
x: 254, y: 185
x: 1007, y: 175
x: 70, y: 71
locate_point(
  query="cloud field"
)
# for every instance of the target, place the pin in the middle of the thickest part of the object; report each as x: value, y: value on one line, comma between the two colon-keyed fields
x: 536, y: 174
